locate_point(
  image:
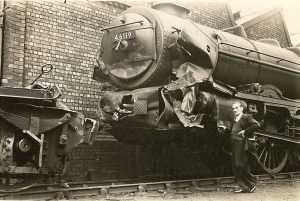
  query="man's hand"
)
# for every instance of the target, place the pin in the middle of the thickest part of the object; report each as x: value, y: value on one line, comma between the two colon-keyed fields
x: 242, y: 133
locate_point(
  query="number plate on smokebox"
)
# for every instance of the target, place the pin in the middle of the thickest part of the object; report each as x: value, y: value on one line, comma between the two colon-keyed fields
x: 125, y: 35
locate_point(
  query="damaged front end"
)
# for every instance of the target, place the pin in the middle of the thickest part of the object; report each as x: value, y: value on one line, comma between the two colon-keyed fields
x: 159, y: 113
x: 137, y: 108
x: 37, y: 134
x: 190, y: 102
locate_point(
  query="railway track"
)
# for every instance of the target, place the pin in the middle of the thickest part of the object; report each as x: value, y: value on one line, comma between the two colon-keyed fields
x: 131, y: 186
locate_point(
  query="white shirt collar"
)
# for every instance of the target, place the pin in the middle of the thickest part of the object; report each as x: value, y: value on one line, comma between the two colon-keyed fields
x: 238, y: 117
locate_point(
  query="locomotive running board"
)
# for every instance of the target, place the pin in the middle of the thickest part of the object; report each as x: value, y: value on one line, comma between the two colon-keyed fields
x: 291, y: 105
x: 269, y: 100
x: 279, y: 137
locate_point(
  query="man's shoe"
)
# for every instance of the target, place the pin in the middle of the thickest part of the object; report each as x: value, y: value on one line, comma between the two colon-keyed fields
x: 252, y: 189
x: 239, y: 191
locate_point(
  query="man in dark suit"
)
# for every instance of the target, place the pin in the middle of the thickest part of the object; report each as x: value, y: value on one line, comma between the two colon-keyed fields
x: 242, y: 127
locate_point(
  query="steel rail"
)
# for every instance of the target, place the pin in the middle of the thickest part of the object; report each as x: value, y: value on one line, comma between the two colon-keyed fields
x: 85, y: 190
x: 76, y: 184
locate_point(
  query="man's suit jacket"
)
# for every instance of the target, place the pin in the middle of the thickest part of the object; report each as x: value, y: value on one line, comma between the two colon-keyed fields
x: 248, y: 124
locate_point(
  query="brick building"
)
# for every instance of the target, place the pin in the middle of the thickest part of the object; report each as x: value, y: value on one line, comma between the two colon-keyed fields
x: 67, y: 35
x: 264, y: 25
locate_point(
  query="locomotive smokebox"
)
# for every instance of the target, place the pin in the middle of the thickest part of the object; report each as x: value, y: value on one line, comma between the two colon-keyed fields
x: 172, y: 9
x: 135, y: 46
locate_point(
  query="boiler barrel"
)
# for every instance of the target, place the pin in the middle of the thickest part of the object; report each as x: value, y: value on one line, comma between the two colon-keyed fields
x: 243, y: 61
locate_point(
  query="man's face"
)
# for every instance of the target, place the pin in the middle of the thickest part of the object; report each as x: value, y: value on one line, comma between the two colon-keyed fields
x: 237, y: 109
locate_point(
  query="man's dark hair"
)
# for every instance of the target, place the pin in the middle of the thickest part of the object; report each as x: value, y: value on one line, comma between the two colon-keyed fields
x: 243, y: 104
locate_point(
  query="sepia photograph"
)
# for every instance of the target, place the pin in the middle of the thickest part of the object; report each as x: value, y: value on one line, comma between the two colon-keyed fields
x: 141, y: 100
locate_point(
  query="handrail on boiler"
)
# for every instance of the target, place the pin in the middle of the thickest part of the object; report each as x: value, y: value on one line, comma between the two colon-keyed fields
x: 250, y: 51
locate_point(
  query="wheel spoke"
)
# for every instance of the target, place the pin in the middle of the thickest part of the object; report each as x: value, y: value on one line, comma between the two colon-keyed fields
x: 275, y: 160
x: 265, y: 159
x: 270, y: 158
x: 262, y: 153
x: 297, y: 151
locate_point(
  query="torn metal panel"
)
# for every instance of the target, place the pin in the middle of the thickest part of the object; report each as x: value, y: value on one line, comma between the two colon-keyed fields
x: 167, y: 113
x: 186, y: 119
x: 115, y: 100
x: 140, y: 105
x: 192, y: 73
x: 189, y: 101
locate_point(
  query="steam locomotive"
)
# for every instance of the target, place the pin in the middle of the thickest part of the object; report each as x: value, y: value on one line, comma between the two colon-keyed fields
x: 176, y: 78
x: 37, y: 134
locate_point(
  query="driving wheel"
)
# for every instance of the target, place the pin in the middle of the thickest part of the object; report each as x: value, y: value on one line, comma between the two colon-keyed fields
x: 271, y: 156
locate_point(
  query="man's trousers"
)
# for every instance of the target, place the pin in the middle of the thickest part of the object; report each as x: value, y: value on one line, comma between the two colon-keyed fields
x: 240, y: 165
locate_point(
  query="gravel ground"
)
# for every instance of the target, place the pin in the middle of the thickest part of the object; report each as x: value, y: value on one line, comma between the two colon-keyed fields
x: 264, y: 192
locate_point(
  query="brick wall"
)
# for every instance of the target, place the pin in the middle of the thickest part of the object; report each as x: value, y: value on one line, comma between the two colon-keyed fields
x: 213, y: 14
x: 67, y: 36
x: 103, y: 161
x: 14, y: 44
x: 272, y: 27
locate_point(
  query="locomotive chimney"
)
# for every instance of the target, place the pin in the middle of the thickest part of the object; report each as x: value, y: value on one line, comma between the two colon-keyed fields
x: 172, y: 9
